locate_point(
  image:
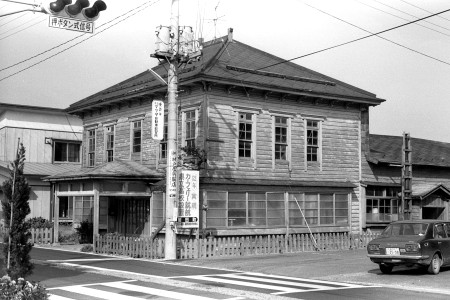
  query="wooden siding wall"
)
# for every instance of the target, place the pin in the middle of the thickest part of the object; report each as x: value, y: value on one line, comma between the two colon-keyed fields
x: 37, y: 151
x: 217, y: 134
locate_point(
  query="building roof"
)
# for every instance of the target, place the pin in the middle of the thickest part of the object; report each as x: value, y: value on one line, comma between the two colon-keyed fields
x: 423, y: 190
x: 42, y: 169
x: 227, y: 61
x: 118, y: 169
x: 388, y: 150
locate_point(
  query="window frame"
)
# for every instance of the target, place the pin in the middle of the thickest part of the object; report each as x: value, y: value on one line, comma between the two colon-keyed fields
x: 67, y: 143
x: 380, y: 195
x: 189, y: 127
x: 136, y: 129
x: 109, y: 142
x: 248, y: 153
x: 313, y: 146
x: 91, y: 146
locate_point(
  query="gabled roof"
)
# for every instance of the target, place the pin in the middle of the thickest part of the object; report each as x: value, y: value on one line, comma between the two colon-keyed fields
x: 388, y: 149
x: 118, y: 169
x: 42, y: 169
x: 235, y: 64
x: 423, y: 190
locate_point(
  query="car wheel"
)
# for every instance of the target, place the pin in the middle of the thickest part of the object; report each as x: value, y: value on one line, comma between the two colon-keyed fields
x: 386, y: 269
x: 435, y: 265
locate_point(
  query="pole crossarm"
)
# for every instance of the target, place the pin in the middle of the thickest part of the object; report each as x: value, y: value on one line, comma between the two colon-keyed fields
x: 36, y: 8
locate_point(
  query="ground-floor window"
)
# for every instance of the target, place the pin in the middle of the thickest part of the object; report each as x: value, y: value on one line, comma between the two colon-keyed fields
x: 382, y: 204
x: 76, y: 208
x: 268, y: 209
x: 318, y: 209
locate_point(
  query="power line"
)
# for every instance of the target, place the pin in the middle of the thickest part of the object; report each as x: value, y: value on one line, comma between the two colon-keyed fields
x: 11, y: 29
x: 16, y: 32
x: 408, y: 14
x: 398, y: 44
x: 421, y: 25
x: 18, y: 17
x: 77, y: 37
x: 356, y: 40
x: 88, y: 38
x: 423, y: 9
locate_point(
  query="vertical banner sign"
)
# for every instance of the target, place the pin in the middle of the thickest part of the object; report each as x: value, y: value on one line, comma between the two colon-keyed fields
x: 188, y: 196
x: 172, y: 173
x: 157, y: 119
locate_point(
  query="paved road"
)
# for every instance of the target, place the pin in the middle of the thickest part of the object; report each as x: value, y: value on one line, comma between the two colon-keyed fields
x: 153, y: 278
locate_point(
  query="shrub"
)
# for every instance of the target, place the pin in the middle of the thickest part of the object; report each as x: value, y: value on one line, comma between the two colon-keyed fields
x: 39, y: 222
x: 21, y: 290
x: 68, y: 237
x: 86, y: 232
x: 87, y: 248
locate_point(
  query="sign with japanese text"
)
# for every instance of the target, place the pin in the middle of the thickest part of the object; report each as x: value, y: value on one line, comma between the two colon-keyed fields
x: 157, y: 120
x: 188, y: 199
x: 71, y: 24
x: 172, y: 181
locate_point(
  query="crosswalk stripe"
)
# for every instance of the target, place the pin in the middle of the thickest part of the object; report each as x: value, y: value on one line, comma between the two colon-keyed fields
x: 56, y: 297
x: 97, y: 293
x: 153, y: 291
x: 274, y: 281
x: 340, y: 284
x: 249, y: 284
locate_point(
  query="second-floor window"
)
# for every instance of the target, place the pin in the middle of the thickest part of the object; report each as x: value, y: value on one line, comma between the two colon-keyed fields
x: 281, y: 137
x: 109, y: 138
x: 190, y: 128
x: 67, y: 152
x: 91, y: 147
x: 137, y: 136
x: 245, y: 134
x: 312, y: 140
x: 163, y: 143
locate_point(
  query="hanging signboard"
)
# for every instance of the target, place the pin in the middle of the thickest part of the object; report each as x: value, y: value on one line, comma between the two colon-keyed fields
x: 71, y: 24
x: 188, y: 199
x: 157, y: 120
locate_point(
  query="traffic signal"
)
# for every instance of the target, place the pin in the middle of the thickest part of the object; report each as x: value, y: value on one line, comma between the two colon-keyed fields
x: 80, y: 10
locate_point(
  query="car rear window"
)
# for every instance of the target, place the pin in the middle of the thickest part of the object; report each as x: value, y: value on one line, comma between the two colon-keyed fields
x: 405, y: 229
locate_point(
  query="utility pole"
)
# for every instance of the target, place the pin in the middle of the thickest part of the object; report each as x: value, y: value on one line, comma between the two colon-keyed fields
x: 170, y: 249
x: 176, y: 46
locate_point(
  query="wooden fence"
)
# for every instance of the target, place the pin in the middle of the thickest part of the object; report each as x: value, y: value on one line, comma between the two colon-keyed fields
x: 41, y: 235
x: 138, y: 247
x: 38, y: 235
x: 144, y: 247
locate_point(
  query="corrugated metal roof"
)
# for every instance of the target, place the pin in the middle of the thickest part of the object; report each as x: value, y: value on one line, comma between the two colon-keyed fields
x: 121, y: 169
x: 214, y: 65
x: 42, y: 169
x: 388, y: 149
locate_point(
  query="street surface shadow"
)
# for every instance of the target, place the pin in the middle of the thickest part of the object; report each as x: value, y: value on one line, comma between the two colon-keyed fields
x: 412, y: 271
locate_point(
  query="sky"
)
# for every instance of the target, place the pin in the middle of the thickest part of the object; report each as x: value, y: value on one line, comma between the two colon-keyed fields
x: 409, y: 66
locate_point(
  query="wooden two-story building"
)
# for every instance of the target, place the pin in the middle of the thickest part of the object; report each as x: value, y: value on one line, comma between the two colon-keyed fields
x: 284, y: 147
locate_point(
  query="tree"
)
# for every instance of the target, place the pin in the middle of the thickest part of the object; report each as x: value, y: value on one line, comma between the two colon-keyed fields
x: 16, y: 247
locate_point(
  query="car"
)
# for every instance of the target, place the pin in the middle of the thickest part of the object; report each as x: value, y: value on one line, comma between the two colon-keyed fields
x: 424, y: 243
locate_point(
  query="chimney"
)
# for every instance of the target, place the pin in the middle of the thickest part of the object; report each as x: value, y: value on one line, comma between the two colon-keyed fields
x: 230, y: 34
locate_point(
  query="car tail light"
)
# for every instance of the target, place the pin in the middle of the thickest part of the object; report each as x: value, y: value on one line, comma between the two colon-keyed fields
x: 373, y: 247
x: 412, y: 247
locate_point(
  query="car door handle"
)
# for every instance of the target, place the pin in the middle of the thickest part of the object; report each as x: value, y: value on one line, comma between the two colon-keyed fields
x: 439, y: 243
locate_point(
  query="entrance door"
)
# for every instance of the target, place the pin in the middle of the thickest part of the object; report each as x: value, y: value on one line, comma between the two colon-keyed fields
x: 436, y: 213
x: 129, y: 215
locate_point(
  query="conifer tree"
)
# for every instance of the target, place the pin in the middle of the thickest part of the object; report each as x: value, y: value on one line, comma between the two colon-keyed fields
x: 16, y: 247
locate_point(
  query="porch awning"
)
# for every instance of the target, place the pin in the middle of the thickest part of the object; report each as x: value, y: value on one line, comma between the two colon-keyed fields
x: 41, y: 169
x: 117, y: 170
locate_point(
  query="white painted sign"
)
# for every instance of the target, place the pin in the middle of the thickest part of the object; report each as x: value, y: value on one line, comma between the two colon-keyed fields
x: 157, y: 120
x: 173, y: 180
x: 188, y: 199
x: 71, y: 24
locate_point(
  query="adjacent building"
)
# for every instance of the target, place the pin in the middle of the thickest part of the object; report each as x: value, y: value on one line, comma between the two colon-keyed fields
x: 52, y: 141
